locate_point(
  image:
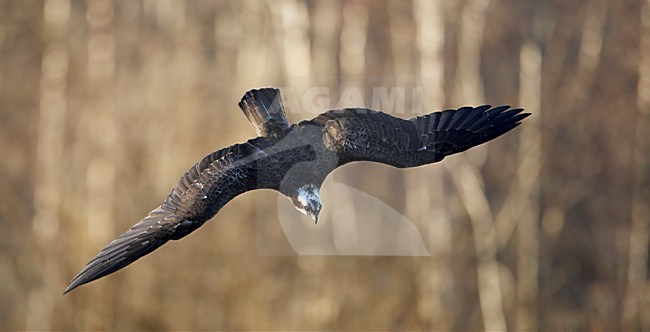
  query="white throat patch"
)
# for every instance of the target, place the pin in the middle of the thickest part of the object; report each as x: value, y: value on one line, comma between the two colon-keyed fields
x: 308, y: 193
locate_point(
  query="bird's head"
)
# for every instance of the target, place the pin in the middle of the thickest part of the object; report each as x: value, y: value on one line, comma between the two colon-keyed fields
x: 306, y: 199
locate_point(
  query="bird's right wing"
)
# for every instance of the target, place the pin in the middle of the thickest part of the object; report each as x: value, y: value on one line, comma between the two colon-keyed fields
x: 362, y: 134
x: 197, y: 197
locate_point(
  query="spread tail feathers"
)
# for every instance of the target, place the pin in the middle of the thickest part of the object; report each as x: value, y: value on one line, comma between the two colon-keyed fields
x: 264, y: 110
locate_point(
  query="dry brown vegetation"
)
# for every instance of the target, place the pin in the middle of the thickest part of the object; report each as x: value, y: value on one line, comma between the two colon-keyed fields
x: 104, y: 104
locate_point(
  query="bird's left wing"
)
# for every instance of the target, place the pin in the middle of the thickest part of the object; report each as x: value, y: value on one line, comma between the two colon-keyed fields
x: 358, y: 134
x: 197, y: 197
x: 142, y: 238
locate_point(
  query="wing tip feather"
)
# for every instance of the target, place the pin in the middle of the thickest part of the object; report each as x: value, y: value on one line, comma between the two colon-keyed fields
x: 140, y: 240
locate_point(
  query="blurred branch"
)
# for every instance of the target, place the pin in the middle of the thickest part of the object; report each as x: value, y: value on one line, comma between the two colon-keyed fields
x: 249, y: 61
x: 49, y: 170
x: 591, y: 44
x: 327, y: 25
x: 469, y: 88
x: 430, y: 31
x: 433, y: 214
x: 470, y: 184
x: 573, y: 97
x: 431, y: 42
x: 291, y: 23
x: 467, y: 177
x: 101, y: 137
x: 528, y: 190
x: 354, y: 33
x: 634, y: 315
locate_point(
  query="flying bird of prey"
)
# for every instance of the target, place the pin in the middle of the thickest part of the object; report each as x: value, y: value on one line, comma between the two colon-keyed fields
x: 295, y: 160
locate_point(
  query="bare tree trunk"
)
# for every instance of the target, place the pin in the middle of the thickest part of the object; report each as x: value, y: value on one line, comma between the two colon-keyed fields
x: 249, y: 61
x: 327, y: 25
x: 528, y: 189
x: 352, y: 68
x: 101, y: 138
x: 466, y: 175
x: 591, y: 45
x: 635, y: 310
x: 469, y: 87
x: 470, y: 185
x: 435, y: 219
x: 49, y: 168
x: 354, y: 32
x: 291, y: 22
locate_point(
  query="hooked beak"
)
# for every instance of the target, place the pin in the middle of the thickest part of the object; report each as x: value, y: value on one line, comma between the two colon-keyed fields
x: 314, y: 217
x: 314, y: 210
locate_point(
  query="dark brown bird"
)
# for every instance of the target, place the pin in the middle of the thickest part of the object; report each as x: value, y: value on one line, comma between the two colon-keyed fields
x: 295, y: 160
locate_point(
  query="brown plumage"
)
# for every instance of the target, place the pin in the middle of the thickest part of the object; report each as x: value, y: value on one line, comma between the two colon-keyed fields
x: 295, y: 161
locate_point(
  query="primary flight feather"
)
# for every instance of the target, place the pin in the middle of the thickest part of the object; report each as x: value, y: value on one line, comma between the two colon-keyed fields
x: 295, y: 160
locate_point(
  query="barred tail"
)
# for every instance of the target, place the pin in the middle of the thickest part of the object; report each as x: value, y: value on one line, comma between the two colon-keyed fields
x: 263, y: 108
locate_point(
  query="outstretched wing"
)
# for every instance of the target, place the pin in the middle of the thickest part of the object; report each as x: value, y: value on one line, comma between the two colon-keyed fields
x: 358, y: 134
x: 197, y: 197
x: 142, y: 238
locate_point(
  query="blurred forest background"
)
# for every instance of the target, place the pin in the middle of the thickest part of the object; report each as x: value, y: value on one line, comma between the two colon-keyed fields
x: 104, y: 104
